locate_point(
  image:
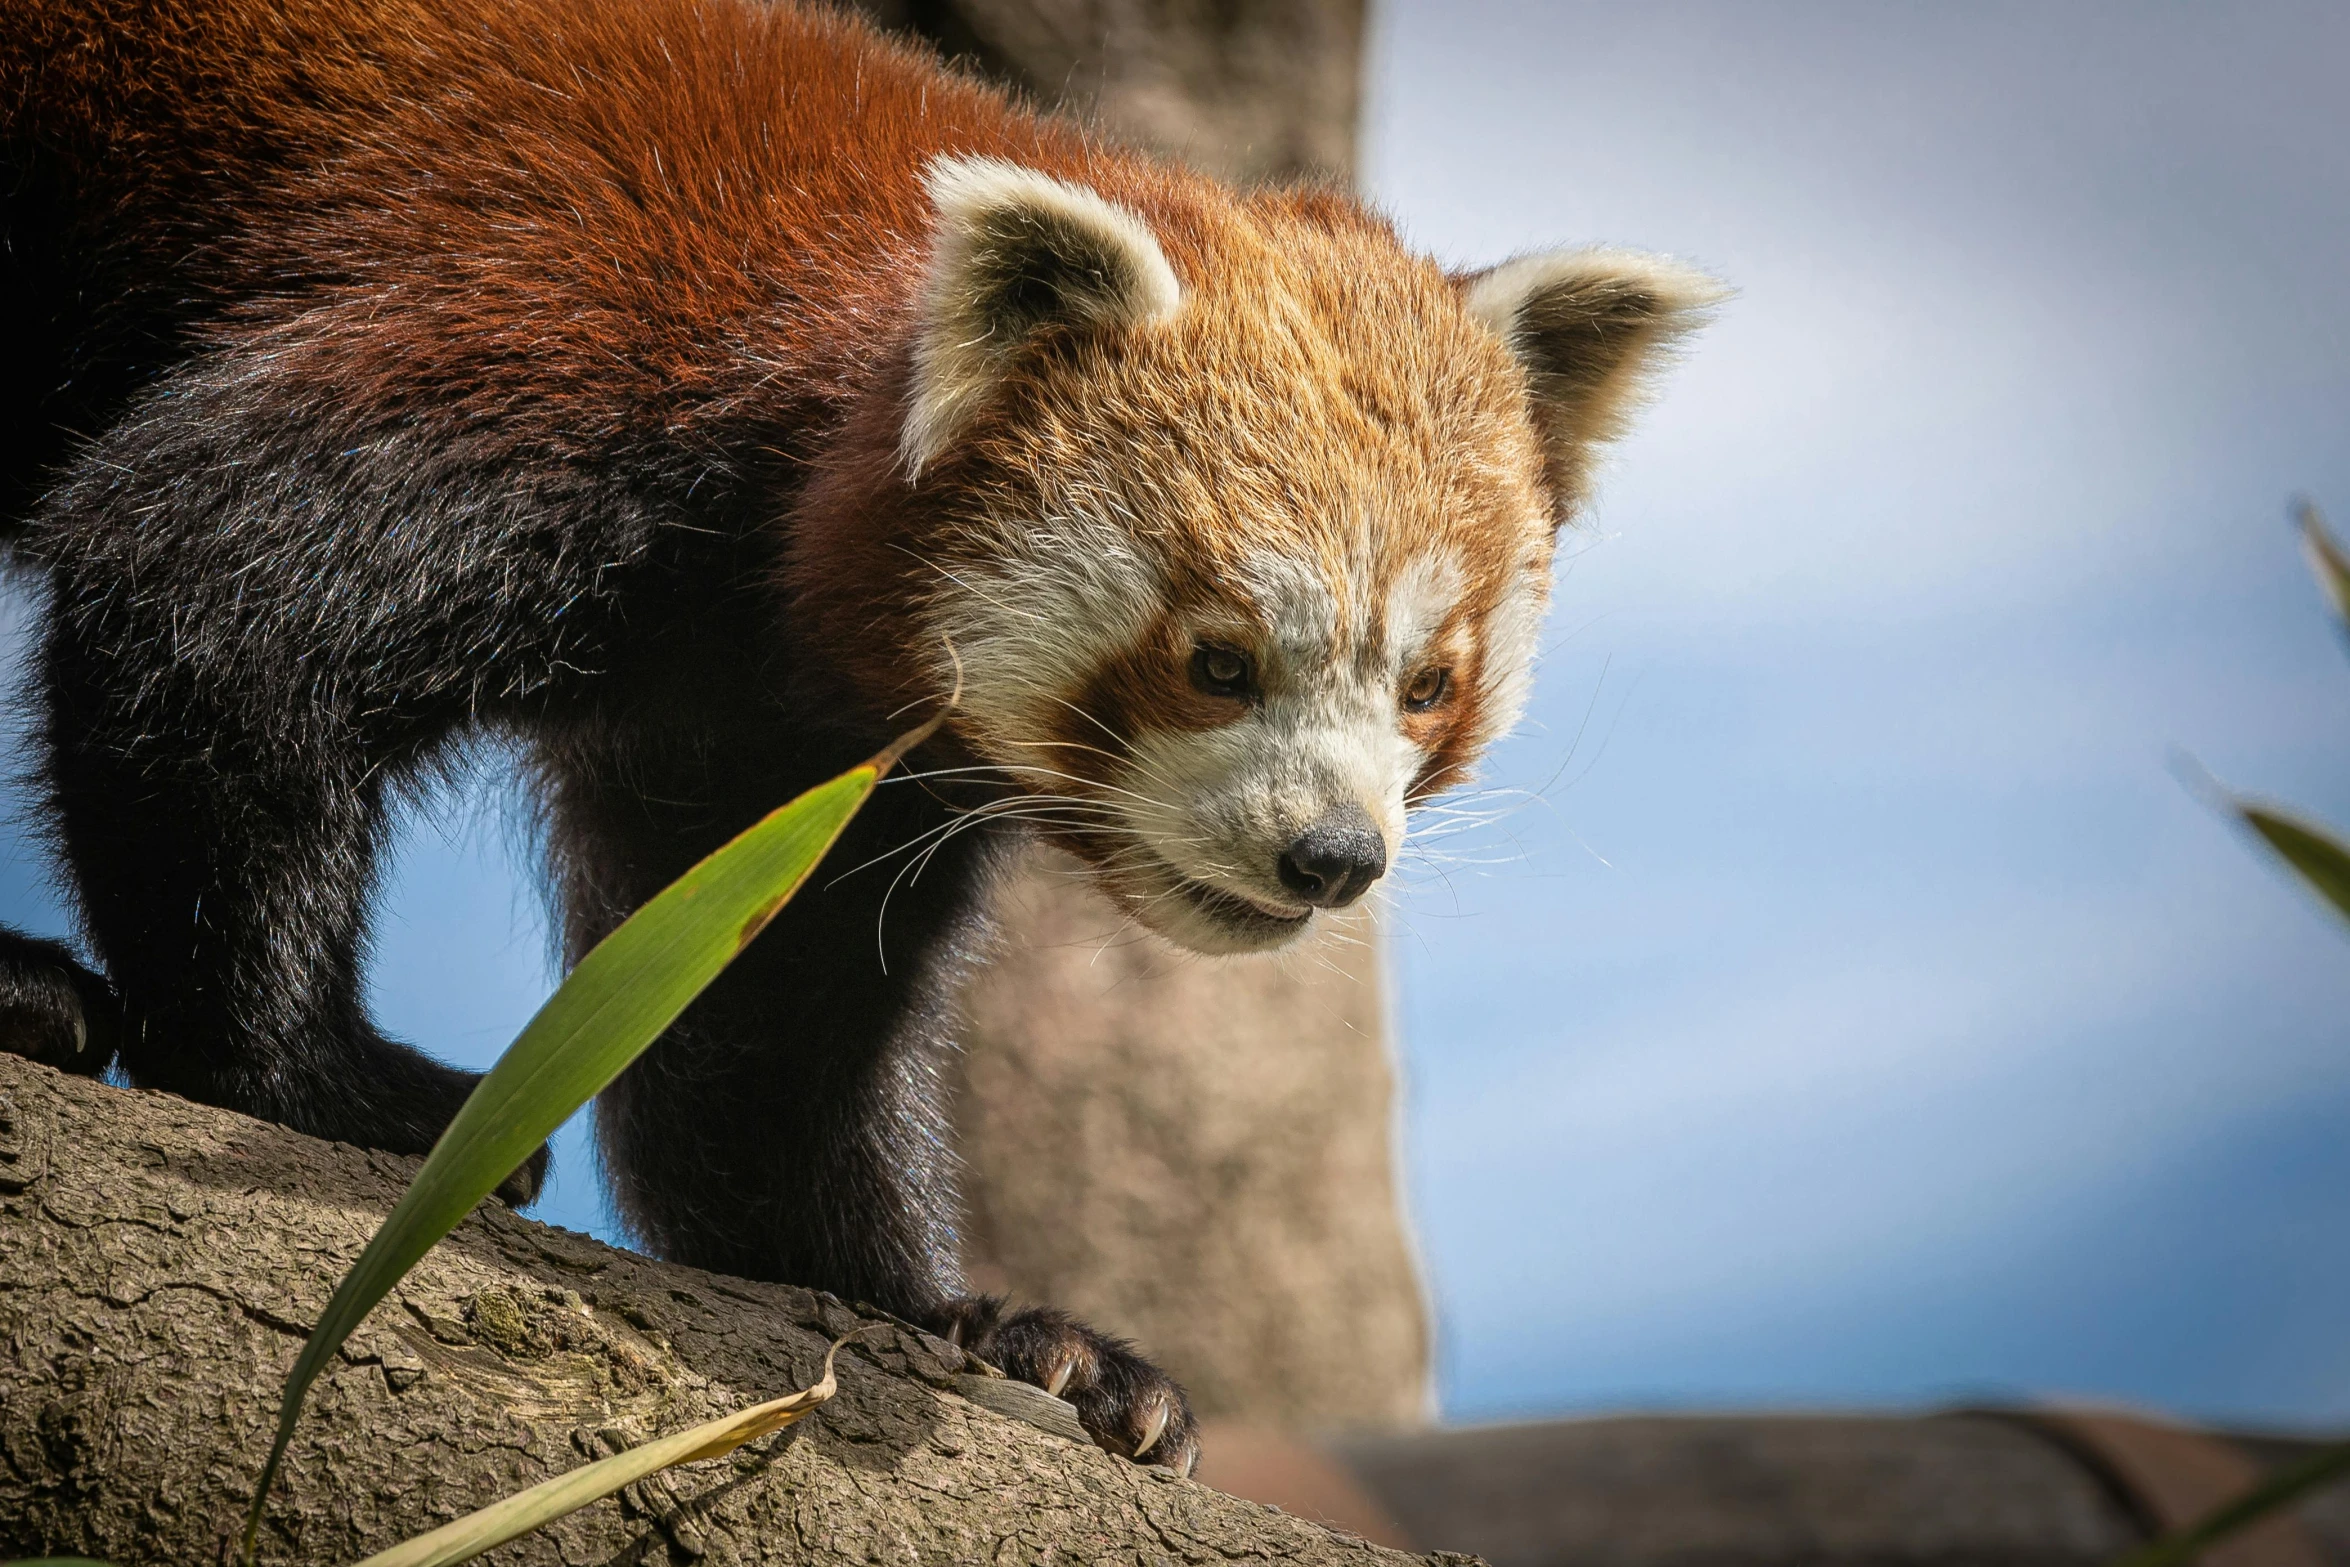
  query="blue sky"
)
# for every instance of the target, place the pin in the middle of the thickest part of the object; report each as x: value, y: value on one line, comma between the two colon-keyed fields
x: 1870, y: 1013
x: 1861, y: 1011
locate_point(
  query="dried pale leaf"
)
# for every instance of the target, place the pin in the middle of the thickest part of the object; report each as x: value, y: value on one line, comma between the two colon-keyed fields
x: 2280, y: 1490
x: 542, y: 1504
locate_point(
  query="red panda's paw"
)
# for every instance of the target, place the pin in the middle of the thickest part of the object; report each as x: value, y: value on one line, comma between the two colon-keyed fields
x: 522, y: 1188
x: 1127, y: 1405
x: 54, y: 1010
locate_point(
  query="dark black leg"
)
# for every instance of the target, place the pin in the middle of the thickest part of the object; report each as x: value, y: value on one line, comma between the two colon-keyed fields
x: 224, y: 878
x: 263, y: 608
x: 790, y: 1126
x: 53, y: 1009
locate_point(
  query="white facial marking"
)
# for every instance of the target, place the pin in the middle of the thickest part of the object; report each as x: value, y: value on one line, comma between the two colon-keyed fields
x: 1425, y: 593
x: 1510, y: 633
x: 1056, y: 600
x: 1219, y: 806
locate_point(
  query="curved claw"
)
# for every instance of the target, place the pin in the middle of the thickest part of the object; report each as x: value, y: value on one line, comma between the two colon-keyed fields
x: 1154, y: 1428
x: 1127, y: 1405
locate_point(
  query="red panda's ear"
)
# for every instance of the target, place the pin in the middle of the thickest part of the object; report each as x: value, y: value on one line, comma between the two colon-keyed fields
x: 1589, y: 326
x: 1014, y: 250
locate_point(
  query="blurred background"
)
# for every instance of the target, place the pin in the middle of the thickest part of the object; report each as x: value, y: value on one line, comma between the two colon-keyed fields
x: 1869, y: 1013
x: 1851, y: 999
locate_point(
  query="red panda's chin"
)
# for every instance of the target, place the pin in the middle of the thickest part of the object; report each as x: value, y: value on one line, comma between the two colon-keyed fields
x: 1240, y: 924
x: 1207, y: 919
x: 1195, y: 914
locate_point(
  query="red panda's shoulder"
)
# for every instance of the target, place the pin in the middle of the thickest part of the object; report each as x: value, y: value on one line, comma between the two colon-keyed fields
x: 646, y: 209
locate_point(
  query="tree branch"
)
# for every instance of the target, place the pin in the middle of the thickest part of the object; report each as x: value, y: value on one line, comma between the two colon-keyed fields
x: 160, y: 1263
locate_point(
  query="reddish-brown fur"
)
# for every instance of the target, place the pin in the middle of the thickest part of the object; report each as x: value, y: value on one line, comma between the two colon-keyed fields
x: 721, y: 255
x: 1245, y: 441
x: 401, y: 367
x: 580, y: 271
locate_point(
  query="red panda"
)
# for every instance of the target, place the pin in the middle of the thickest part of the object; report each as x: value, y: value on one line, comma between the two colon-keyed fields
x: 691, y: 391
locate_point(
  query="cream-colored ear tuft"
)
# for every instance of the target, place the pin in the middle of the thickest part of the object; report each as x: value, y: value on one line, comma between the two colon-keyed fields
x: 1014, y: 251
x: 1591, y: 327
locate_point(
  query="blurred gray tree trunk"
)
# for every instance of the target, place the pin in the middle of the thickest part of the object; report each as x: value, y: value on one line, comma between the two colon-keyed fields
x: 1196, y: 1154
x: 1249, y: 89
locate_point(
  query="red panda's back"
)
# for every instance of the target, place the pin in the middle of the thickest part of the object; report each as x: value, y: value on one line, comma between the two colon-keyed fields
x: 607, y: 194
x: 133, y: 136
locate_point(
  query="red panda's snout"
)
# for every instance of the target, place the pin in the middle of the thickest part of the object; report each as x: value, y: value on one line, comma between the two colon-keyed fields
x: 1243, y: 830
x: 1233, y: 753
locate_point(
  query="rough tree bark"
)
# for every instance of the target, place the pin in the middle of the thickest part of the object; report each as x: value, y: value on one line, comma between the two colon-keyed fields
x: 160, y: 1263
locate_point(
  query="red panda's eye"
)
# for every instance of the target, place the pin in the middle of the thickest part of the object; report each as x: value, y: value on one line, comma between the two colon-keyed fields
x: 1428, y: 688
x: 1221, y: 671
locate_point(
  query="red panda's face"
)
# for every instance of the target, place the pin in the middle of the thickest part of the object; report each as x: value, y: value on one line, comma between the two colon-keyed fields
x: 1239, y: 561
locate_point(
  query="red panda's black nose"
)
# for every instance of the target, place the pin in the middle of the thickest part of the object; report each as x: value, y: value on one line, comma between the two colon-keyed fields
x: 1335, y: 861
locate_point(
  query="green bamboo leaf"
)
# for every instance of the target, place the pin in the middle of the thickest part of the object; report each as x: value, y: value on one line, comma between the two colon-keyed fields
x: 2280, y: 1490
x: 492, y: 1526
x: 2326, y: 560
x: 604, y: 1015
x: 2321, y: 860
